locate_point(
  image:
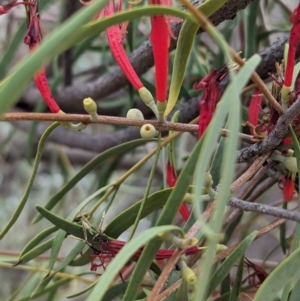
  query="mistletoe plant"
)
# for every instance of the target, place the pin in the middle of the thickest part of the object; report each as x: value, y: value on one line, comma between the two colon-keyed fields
x: 187, y: 252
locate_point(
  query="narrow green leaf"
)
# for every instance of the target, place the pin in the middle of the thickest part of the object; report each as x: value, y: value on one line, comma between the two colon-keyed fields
x: 139, y: 214
x: 37, y: 239
x: 287, y: 271
x: 217, y: 162
x: 282, y: 232
x: 37, y: 160
x: 57, y: 284
x: 237, y: 282
x: 74, y: 252
x: 225, y: 285
x: 126, y: 218
x: 11, y: 50
x: 182, y: 292
x: 88, y: 288
x: 184, y: 46
x: 249, y: 19
x: 115, y: 291
x: 295, y: 293
x: 229, y: 102
x: 115, y: 151
x: 36, y: 251
x: 229, y: 262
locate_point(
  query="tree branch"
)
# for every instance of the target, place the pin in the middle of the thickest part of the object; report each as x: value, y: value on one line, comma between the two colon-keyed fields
x: 265, y: 209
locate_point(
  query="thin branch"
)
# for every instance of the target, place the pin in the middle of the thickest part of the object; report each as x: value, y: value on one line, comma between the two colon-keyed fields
x: 279, y: 132
x: 76, y: 118
x: 233, y: 213
x: 252, y: 170
x: 265, y: 209
x: 255, y: 179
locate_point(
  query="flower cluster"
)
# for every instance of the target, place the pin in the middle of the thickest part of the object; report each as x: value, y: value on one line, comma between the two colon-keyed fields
x: 106, y: 250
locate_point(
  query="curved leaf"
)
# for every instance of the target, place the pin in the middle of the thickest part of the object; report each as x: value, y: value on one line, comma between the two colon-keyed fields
x: 114, y: 151
x: 37, y: 160
x: 126, y: 218
x: 287, y: 271
x: 229, y: 262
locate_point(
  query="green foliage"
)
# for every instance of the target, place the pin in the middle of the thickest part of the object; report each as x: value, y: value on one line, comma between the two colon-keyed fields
x: 108, y: 210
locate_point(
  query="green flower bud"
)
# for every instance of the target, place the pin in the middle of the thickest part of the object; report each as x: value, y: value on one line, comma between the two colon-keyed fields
x: 148, y: 131
x: 89, y: 105
x: 186, y: 272
x: 135, y: 114
x: 147, y: 98
x: 91, y: 108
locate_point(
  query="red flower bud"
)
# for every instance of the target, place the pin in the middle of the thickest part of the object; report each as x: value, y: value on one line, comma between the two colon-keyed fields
x: 294, y: 40
x: 288, y: 189
x: 254, y: 108
x: 171, y: 179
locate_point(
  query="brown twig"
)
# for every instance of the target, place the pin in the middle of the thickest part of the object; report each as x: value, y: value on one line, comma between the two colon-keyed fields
x: 252, y: 170
x: 265, y: 209
x: 76, y: 118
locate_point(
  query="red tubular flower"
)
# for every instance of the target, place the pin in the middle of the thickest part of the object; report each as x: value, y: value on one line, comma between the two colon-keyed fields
x: 210, y: 97
x: 108, y: 249
x: 288, y: 188
x: 160, y: 39
x: 287, y: 185
x: 294, y: 40
x: 114, y: 36
x: 171, y: 179
x: 254, y: 108
x: 32, y: 39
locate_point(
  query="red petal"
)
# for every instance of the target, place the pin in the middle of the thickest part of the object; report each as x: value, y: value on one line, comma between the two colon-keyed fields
x: 171, y: 176
x: 114, y: 37
x: 171, y: 179
x: 288, y: 189
x: 160, y: 42
x: 293, y: 43
x: 184, y: 211
x: 254, y: 108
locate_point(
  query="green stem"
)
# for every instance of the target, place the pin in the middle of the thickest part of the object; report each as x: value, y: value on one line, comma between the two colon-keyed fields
x: 37, y: 160
x: 152, y: 172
